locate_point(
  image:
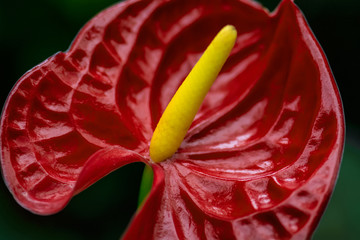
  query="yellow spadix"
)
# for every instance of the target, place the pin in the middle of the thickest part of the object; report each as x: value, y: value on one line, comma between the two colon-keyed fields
x: 180, y: 112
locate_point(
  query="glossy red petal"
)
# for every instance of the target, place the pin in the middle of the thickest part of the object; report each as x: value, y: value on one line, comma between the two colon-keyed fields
x: 260, y: 159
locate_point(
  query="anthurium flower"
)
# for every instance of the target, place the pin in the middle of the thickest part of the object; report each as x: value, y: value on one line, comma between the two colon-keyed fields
x: 260, y: 159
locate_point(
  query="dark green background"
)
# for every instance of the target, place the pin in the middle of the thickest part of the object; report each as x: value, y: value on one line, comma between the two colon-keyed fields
x: 31, y: 31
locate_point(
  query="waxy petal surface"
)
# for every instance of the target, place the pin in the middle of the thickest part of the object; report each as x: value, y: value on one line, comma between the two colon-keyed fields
x: 263, y: 165
x: 260, y: 159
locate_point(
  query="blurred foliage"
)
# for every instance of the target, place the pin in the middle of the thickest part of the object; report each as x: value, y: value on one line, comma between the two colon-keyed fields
x: 31, y: 31
x: 341, y: 218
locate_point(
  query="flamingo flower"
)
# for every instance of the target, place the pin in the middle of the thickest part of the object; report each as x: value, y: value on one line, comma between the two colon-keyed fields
x: 260, y: 158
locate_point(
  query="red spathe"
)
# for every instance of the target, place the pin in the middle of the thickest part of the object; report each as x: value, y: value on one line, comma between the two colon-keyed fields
x: 260, y: 159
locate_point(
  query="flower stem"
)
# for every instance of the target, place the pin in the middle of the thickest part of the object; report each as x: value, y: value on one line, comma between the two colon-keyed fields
x: 146, y: 183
